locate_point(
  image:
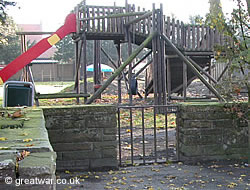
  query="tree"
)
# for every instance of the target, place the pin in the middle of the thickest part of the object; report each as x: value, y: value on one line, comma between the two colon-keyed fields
x: 65, y: 50
x: 3, y: 6
x: 196, y: 20
x: 236, y: 49
x: 9, y: 42
x: 215, y: 17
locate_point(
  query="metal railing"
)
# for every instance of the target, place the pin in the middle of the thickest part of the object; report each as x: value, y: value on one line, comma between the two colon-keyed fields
x: 143, y: 134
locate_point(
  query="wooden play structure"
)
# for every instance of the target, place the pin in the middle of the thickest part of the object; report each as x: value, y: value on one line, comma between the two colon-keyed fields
x: 177, y: 53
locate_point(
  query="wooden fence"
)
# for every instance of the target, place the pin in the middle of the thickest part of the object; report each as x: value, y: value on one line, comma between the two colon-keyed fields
x: 114, y: 20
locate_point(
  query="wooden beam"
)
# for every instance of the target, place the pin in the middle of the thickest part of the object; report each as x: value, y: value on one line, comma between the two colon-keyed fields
x: 121, y: 68
x: 119, y: 86
x: 168, y: 79
x: 114, y: 16
x: 198, y: 67
x: 223, y: 72
x: 184, y: 75
x: 143, y: 68
x: 115, y: 66
x: 109, y: 58
x: 34, y: 33
x: 181, y: 86
x: 138, y: 19
x: 84, y: 59
x: 195, y: 71
x: 142, y: 59
x: 61, y: 95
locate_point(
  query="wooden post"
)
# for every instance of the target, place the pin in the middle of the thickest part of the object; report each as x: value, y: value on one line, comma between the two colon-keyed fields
x: 184, y: 81
x: 183, y: 36
x: 97, y: 65
x: 168, y: 27
x: 173, y: 30
x: 178, y: 33
x: 122, y: 67
x: 168, y: 79
x: 118, y: 48
x: 77, y: 71
x: 163, y: 60
x: 188, y: 37
x: 198, y: 37
x: 84, y: 60
x: 130, y: 66
x: 208, y: 38
x: 193, y: 38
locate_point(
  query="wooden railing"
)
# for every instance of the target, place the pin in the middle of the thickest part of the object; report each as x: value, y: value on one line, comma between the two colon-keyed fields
x: 194, y: 37
x: 114, y: 19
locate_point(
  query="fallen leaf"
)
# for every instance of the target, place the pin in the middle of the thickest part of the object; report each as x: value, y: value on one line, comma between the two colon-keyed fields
x: 155, y: 170
x: 133, y: 185
x: 24, y: 134
x: 27, y: 140
x: 3, y: 139
x: 111, y: 172
x: 4, y: 148
x: 29, y: 145
x: 17, y: 114
x: 108, y: 187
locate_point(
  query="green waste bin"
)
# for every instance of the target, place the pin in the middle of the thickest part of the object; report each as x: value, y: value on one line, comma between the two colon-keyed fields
x: 17, y: 93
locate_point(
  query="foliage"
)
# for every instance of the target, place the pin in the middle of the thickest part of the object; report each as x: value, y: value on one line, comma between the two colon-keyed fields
x: 9, y: 42
x: 3, y: 6
x: 65, y: 50
x: 236, y: 34
x: 215, y: 18
x: 196, y: 20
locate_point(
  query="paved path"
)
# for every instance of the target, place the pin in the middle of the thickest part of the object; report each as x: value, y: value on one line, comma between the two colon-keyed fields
x: 165, y: 176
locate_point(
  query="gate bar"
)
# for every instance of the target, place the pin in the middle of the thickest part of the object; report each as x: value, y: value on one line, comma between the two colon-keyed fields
x: 155, y: 140
x: 143, y: 135
x: 166, y: 133
x: 131, y: 136
x: 119, y: 137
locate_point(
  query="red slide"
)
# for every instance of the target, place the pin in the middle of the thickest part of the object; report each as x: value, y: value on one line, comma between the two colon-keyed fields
x: 24, y: 59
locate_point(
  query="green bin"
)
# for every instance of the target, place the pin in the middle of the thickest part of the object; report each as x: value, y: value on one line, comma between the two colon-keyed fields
x: 17, y: 93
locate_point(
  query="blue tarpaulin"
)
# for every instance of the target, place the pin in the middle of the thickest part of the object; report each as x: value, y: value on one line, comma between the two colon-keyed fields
x: 104, y: 68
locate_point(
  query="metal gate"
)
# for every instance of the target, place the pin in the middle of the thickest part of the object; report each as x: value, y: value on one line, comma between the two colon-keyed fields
x: 147, y: 134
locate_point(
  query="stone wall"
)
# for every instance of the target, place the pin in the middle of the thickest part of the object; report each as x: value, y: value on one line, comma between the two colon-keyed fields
x: 84, y: 137
x: 27, y: 133
x: 213, y: 131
